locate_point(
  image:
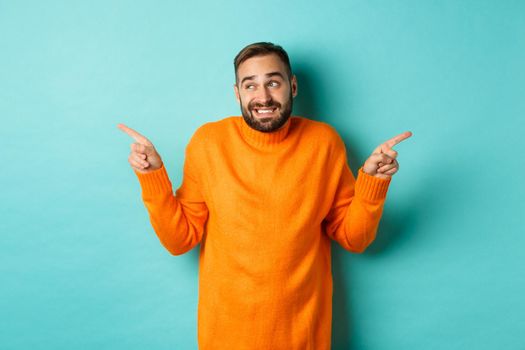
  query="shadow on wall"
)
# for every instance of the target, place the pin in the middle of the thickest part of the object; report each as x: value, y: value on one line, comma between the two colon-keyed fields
x: 398, y: 225
x: 305, y: 103
x: 314, y: 86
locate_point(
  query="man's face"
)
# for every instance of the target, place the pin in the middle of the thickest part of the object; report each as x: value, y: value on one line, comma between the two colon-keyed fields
x: 264, y: 92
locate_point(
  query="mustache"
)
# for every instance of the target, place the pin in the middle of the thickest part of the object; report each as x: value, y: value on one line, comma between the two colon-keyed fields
x: 270, y: 104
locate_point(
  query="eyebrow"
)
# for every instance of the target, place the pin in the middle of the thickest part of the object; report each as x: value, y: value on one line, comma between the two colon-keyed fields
x: 268, y: 75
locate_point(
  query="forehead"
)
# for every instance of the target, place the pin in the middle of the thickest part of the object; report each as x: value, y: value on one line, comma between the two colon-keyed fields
x: 260, y: 65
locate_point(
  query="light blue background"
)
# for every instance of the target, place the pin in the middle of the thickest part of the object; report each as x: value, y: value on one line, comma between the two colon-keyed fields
x: 80, y: 266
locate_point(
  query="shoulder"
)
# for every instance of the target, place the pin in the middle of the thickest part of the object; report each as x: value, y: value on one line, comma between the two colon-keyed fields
x: 320, y: 132
x: 216, y: 128
x: 212, y: 130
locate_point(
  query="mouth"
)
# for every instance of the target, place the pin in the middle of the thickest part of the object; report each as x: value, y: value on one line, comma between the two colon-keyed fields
x: 264, y: 111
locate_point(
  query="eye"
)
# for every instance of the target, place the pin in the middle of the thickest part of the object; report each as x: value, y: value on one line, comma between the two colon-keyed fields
x: 273, y: 83
x: 249, y: 87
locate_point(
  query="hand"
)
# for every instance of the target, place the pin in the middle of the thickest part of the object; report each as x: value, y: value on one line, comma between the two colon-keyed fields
x: 382, y: 163
x: 143, y: 157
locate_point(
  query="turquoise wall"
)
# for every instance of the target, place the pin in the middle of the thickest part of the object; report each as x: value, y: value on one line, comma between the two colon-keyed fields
x: 80, y: 266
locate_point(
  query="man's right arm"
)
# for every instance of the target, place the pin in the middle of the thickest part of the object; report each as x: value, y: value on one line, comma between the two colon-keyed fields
x: 177, y: 220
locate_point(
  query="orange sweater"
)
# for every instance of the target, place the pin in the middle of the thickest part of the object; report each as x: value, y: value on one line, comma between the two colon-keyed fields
x: 264, y: 207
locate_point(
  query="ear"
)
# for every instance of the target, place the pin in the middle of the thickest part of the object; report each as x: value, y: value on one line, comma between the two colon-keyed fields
x: 293, y: 85
x: 236, y: 90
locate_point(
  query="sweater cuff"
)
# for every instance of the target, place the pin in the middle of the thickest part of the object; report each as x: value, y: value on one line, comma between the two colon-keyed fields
x: 370, y: 187
x: 155, y: 182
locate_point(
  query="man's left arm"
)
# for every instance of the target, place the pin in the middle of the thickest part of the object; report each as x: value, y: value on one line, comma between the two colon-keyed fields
x: 358, y: 204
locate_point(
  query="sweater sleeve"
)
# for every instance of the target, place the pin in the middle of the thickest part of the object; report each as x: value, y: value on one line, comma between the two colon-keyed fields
x: 178, y: 220
x: 357, y: 207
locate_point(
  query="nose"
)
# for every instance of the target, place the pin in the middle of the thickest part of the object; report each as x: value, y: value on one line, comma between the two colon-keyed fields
x: 264, y: 95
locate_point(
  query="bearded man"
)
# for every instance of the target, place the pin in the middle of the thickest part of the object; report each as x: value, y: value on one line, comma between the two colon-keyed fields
x: 264, y: 194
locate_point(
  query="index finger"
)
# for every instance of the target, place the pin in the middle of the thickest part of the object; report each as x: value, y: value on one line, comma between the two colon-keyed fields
x: 397, y: 139
x: 137, y: 136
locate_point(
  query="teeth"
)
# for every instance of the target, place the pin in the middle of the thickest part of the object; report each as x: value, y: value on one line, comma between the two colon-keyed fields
x: 264, y: 110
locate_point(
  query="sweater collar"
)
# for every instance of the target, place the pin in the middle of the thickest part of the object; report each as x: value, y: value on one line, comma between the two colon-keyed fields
x: 258, y: 138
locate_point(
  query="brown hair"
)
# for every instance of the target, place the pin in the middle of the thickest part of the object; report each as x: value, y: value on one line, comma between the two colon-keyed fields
x: 262, y: 49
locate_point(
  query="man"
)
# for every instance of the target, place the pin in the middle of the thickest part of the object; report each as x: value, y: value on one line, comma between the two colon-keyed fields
x: 264, y: 194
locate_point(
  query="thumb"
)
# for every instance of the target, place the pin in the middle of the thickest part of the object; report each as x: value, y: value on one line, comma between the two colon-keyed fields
x: 148, y: 150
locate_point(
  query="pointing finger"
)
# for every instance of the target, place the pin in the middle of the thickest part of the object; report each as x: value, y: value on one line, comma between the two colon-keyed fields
x: 134, y: 134
x: 397, y: 139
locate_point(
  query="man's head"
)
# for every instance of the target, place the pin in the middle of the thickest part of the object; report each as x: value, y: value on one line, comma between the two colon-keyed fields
x: 264, y: 86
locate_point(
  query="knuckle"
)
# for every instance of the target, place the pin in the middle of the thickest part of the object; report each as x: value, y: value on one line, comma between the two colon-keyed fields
x: 136, y: 147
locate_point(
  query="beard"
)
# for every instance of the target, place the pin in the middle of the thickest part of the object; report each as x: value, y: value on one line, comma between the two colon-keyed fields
x: 271, y: 123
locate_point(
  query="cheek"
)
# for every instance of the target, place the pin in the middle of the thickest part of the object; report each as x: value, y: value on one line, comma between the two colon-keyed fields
x: 246, y: 99
x: 283, y: 93
x: 245, y: 103
x: 241, y: 99
x: 282, y: 97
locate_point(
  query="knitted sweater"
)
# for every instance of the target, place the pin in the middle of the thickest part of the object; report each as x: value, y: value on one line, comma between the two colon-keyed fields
x: 264, y: 207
